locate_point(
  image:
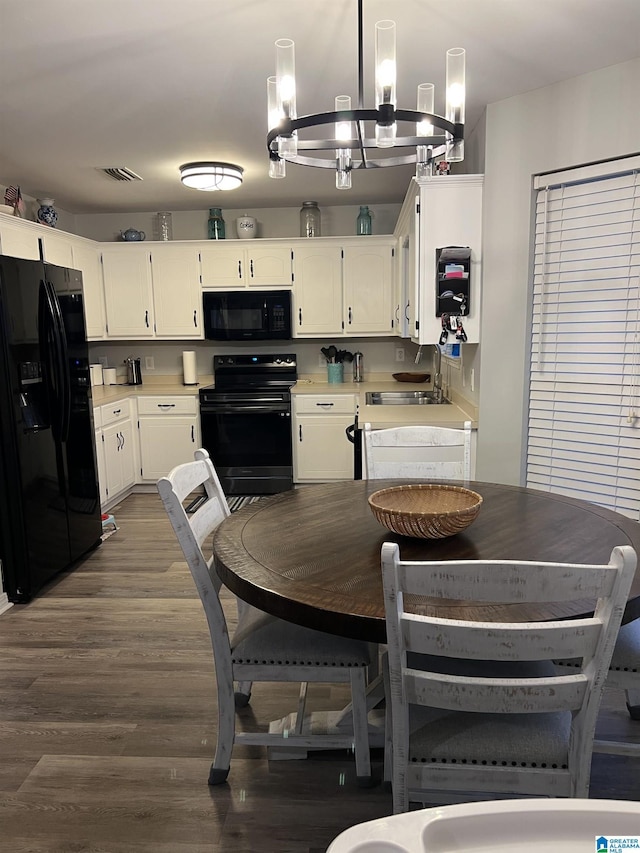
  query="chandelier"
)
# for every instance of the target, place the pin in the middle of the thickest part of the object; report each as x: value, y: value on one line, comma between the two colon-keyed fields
x: 432, y: 136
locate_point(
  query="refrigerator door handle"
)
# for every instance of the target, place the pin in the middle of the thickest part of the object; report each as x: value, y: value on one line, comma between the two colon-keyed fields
x: 63, y: 361
x: 50, y: 362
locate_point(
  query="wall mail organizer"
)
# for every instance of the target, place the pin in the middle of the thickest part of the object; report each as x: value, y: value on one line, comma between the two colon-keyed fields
x: 453, y: 281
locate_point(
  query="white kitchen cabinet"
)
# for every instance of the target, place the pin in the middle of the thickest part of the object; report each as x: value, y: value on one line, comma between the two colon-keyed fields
x: 368, y: 290
x: 86, y: 258
x: 118, y: 439
x: 128, y: 291
x: 406, y: 262
x: 450, y: 214
x: 57, y: 248
x: 177, y: 298
x: 19, y: 238
x: 343, y: 287
x: 237, y: 264
x: 100, y: 460
x: 317, y: 294
x: 321, y: 450
x: 169, y: 433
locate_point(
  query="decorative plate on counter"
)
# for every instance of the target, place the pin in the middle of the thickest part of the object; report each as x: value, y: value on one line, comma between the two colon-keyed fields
x: 411, y: 377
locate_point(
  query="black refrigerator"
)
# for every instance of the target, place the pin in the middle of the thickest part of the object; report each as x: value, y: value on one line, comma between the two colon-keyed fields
x: 49, y: 497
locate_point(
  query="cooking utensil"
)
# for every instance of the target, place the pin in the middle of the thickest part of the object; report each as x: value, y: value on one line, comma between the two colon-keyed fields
x: 325, y: 352
x: 333, y: 352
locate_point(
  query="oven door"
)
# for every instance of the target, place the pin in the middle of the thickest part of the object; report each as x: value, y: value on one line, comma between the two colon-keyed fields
x: 248, y: 436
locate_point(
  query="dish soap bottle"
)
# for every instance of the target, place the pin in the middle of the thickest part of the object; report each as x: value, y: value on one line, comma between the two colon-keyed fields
x: 363, y: 223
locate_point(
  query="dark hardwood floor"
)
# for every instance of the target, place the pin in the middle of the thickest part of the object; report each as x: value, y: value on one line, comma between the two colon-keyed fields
x: 107, y: 722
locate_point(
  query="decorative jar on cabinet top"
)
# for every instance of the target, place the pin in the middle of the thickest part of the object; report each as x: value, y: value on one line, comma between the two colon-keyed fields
x: 216, y: 224
x: 247, y: 227
x: 310, y: 225
x: 47, y: 214
x: 363, y: 222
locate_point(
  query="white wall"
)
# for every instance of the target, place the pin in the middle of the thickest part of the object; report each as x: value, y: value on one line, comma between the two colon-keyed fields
x: 588, y: 118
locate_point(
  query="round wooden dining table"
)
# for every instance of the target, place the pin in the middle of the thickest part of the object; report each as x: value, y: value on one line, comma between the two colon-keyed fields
x: 312, y: 555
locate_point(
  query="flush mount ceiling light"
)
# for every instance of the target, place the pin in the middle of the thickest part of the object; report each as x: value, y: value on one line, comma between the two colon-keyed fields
x: 433, y: 136
x: 211, y: 176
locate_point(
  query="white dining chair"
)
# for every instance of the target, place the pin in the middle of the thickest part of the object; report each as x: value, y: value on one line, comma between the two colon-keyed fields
x: 263, y: 648
x: 425, y: 452
x: 477, y: 709
x: 624, y: 675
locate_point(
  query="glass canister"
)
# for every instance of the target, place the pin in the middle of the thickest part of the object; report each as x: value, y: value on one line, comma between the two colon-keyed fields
x: 216, y: 224
x: 363, y: 222
x: 164, y: 225
x: 310, y: 219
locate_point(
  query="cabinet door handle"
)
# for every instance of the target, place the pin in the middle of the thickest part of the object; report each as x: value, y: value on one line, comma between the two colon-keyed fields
x: 239, y: 269
x: 406, y: 316
x: 116, y: 411
x: 397, y: 313
x: 251, y: 267
x: 299, y: 316
x: 122, y: 437
x: 349, y: 314
x: 119, y: 437
x: 146, y: 319
x: 195, y: 318
x: 166, y: 405
x: 300, y: 432
x: 193, y: 434
x: 325, y: 405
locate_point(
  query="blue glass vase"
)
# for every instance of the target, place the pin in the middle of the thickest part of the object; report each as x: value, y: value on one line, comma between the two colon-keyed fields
x: 363, y: 223
x: 216, y: 224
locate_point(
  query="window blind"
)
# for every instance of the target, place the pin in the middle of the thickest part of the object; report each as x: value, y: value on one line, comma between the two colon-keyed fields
x: 584, y: 392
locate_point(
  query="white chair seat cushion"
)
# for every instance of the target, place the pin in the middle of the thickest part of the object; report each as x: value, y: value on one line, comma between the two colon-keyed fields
x: 626, y: 654
x: 516, y: 740
x: 292, y: 644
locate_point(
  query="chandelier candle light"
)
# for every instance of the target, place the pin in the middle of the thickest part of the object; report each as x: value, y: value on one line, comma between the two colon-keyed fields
x: 435, y: 136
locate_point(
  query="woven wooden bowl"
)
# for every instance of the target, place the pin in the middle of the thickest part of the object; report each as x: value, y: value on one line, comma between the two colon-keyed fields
x: 425, y: 510
x: 411, y: 377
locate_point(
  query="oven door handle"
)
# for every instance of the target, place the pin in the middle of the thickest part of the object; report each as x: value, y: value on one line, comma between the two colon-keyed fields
x: 234, y: 408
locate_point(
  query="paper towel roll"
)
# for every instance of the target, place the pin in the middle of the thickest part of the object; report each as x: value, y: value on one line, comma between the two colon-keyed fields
x: 189, y: 369
x: 109, y: 375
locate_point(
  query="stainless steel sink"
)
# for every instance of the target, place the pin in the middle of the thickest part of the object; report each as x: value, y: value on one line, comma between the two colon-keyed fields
x: 402, y: 398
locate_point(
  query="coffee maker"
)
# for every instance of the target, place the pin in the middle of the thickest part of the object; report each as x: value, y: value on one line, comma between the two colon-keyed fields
x: 134, y: 371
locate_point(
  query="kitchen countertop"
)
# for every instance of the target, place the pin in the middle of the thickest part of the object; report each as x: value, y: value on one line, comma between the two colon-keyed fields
x: 452, y: 415
x: 448, y: 415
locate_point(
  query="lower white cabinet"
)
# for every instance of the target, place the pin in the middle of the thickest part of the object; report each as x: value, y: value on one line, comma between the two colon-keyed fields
x: 116, y: 449
x: 321, y: 450
x: 169, y: 433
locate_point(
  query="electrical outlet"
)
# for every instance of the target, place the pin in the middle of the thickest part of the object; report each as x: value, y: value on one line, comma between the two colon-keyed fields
x: 399, y: 354
x: 104, y: 361
x: 149, y: 362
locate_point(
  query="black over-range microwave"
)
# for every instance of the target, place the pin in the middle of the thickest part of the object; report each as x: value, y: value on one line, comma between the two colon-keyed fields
x: 244, y: 315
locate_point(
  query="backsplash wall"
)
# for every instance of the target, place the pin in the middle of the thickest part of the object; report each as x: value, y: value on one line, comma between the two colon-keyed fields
x: 379, y: 358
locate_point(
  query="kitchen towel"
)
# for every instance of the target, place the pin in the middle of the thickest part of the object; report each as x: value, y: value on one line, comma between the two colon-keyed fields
x: 189, y: 368
x: 109, y: 376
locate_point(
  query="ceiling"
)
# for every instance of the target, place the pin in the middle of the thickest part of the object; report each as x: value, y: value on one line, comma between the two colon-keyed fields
x: 152, y: 84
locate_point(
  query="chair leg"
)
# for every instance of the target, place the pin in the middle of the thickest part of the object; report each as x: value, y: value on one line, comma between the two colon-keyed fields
x: 361, y: 726
x: 633, y: 703
x: 388, y: 741
x: 226, y: 735
x: 242, y: 696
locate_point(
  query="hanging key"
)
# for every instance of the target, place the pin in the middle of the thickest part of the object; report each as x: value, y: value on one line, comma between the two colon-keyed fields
x: 461, y: 335
x: 445, y: 329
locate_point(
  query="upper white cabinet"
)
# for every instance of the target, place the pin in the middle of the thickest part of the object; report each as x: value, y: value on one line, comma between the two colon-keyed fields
x: 177, y: 299
x: 317, y: 294
x: 450, y: 214
x: 368, y: 292
x: 19, y: 239
x: 343, y: 287
x: 245, y: 263
x: 128, y: 291
x: 86, y: 258
x: 406, y: 265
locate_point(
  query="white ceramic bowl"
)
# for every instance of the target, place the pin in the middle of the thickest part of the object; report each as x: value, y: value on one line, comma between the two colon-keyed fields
x: 6, y: 208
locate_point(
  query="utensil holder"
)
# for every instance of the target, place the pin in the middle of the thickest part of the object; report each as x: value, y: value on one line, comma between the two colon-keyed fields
x: 335, y: 373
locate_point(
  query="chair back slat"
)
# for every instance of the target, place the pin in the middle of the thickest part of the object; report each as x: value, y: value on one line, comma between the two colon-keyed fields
x: 412, y: 452
x: 505, y: 581
x: 505, y: 642
x: 495, y: 695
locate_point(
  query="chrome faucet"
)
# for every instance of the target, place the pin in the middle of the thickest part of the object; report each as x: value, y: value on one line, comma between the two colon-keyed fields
x: 437, y: 375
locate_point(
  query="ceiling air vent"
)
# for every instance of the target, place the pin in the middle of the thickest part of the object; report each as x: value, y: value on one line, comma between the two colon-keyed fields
x: 121, y: 173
